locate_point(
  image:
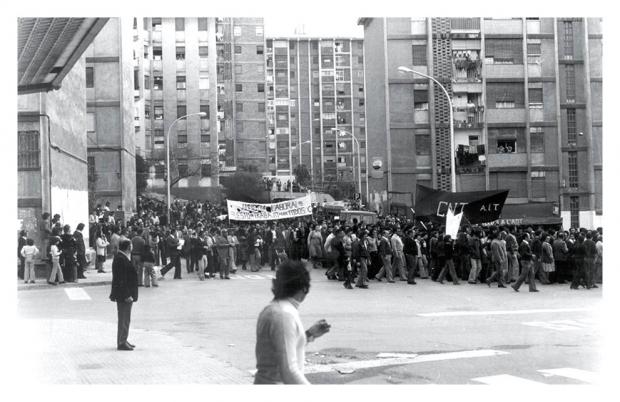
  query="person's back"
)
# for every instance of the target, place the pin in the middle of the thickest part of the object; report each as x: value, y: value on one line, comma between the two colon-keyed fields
x: 137, y: 245
x: 560, y: 249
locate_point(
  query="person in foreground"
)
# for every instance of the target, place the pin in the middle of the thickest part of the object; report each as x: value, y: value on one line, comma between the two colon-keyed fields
x: 124, y: 292
x: 280, y: 335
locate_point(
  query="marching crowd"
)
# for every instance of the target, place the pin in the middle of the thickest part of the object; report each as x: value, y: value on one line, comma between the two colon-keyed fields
x: 353, y: 253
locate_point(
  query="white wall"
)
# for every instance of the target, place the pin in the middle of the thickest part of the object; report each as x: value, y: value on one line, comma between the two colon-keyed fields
x: 72, y: 205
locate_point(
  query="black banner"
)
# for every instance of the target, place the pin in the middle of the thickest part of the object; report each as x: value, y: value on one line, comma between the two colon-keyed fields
x: 477, y: 206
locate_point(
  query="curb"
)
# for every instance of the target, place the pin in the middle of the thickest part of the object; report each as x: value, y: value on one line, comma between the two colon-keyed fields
x: 65, y: 285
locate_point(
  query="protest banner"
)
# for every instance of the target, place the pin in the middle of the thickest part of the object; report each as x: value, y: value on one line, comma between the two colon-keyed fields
x: 453, y: 222
x: 248, y: 211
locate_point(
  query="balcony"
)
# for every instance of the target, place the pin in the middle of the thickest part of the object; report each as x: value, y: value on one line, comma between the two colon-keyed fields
x: 467, y: 68
x: 534, y: 70
x: 505, y: 115
x: 470, y: 159
x: 157, y: 65
x: 507, y: 160
x: 503, y: 26
x: 421, y: 116
x: 504, y: 71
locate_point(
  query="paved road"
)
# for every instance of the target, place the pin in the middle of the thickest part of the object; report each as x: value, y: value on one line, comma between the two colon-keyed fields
x: 388, y: 334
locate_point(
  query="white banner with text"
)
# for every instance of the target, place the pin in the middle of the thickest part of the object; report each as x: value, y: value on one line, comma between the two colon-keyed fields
x: 247, y: 211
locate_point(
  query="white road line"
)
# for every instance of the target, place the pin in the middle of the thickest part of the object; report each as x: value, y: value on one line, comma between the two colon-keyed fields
x: 560, y: 325
x: 77, y: 294
x: 505, y: 379
x: 363, y: 364
x: 576, y: 374
x: 501, y: 312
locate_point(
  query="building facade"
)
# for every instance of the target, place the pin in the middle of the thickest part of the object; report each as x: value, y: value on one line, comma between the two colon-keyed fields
x: 111, y: 122
x: 315, y: 105
x: 187, y: 66
x: 527, y: 109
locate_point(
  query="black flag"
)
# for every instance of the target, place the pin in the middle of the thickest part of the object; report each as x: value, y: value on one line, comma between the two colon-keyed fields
x: 477, y: 206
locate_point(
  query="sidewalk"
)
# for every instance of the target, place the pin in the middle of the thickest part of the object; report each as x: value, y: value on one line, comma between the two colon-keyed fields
x: 93, y: 278
x: 69, y: 351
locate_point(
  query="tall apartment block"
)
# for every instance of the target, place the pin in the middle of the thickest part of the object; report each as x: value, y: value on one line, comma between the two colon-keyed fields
x: 527, y: 103
x: 185, y: 66
x: 315, y: 104
x: 111, y: 131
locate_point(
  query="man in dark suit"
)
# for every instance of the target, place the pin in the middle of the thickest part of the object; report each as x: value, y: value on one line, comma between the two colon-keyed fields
x: 172, y: 251
x: 81, y: 251
x: 124, y: 292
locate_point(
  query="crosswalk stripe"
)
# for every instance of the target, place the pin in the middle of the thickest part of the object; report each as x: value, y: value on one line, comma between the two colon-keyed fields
x: 561, y: 325
x: 576, y: 374
x: 501, y: 312
x: 77, y: 294
x: 506, y: 379
x: 411, y: 359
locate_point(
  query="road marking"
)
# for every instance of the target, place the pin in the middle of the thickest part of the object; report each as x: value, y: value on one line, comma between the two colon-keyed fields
x: 501, y: 312
x: 505, y: 379
x: 251, y: 276
x: 413, y: 359
x: 576, y: 374
x: 561, y: 325
x: 77, y: 294
x: 387, y: 355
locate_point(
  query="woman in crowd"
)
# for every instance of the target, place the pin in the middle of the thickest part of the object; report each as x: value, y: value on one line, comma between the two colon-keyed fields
x: 315, y: 242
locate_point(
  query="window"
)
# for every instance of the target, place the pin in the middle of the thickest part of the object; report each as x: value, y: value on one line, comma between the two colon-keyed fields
x: 260, y: 88
x: 156, y: 24
x: 574, y: 212
x: 315, y: 60
x: 533, y: 53
x: 237, y: 30
x: 90, y: 77
x: 504, y: 51
x: 158, y: 112
x: 505, y: 146
x: 568, y: 40
x: 158, y: 82
x: 183, y: 170
x: 237, y: 49
x: 260, y: 49
x: 259, y: 31
x: 181, y: 84
x: 147, y: 112
x: 360, y: 90
x: 158, y: 141
x: 504, y: 95
x: 156, y: 53
x: 180, y: 52
x: 238, y: 69
x: 202, y: 24
x: 182, y: 137
x: 203, y: 82
x: 28, y: 150
x: 573, y: 172
x: 204, y: 109
x: 423, y: 144
x: 238, y: 88
x: 361, y: 102
x: 537, y: 139
x: 571, y: 126
x: 570, y: 82
x: 239, y: 106
x: 146, y: 52
x: 205, y: 170
x: 181, y: 110
x: 203, y: 51
x: 360, y: 59
x: 205, y: 138
x: 536, y: 98
x: 420, y: 100
x: 179, y: 24
x: 261, y: 106
x: 90, y: 161
x: 419, y: 55
x: 147, y: 82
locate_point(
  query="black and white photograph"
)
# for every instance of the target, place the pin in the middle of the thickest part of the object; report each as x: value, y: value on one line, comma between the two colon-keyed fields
x: 412, y: 198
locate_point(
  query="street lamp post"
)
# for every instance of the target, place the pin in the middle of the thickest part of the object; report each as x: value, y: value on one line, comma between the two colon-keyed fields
x: 404, y: 69
x: 343, y: 133
x: 201, y: 114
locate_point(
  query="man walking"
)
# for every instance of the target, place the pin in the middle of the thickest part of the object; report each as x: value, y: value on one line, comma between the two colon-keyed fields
x: 385, y: 252
x: 80, y: 251
x: 560, y: 256
x: 398, y: 265
x: 498, y: 256
x: 410, y: 250
x: 527, y: 269
x: 172, y: 251
x: 124, y: 292
x: 475, y: 256
x: 513, y: 263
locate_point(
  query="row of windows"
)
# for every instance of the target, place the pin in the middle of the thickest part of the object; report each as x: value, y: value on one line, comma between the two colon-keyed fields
x: 179, y: 26
x: 205, y: 170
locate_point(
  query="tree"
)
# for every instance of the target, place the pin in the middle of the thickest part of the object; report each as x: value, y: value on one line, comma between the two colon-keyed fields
x: 185, y: 175
x: 302, y: 175
x: 245, y: 186
x: 142, y: 173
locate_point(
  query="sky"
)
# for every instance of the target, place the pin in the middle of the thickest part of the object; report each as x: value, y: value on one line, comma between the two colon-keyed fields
x: 325, y: 26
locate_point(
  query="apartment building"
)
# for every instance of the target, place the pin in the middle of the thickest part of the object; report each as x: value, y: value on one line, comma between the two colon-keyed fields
x: 111, y: 126
x: 187, y: 66
x: 527, y: 110
x: 316, y: 109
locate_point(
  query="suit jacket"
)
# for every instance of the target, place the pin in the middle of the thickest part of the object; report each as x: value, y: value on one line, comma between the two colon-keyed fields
x: 124, y: 279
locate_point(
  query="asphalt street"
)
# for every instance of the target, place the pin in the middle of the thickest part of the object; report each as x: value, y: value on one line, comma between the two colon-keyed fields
x: 391, y: 333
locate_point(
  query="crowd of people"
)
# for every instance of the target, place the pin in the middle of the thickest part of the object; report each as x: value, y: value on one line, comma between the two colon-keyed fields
x: 354, y: 253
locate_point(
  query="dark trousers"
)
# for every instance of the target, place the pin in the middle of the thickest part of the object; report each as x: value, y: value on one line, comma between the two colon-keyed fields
x: 497, y: 274
x: 69, y: 269
x: 579, y: 274
x: 448, y: 267
x: 411, y: 267
x: 589, y: 268
x: 175, y: 261
x: 527, y: 272
x: 124, y: 318
x: 81, y: 265
x: 212, y: 263
x: 20, y: 269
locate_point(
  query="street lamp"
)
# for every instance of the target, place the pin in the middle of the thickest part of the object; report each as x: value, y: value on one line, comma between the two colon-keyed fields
x: 404, y: 69
x: 201, y: 114
x: 342, y: 133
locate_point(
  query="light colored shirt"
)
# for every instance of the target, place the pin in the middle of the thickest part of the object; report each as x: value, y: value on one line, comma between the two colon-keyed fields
x: 280, y: 344
x: 397, y: 243
x: 55, y: 253
x: 28, y: 252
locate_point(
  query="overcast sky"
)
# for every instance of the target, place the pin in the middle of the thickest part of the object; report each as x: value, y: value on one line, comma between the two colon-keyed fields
x: 325, y: 26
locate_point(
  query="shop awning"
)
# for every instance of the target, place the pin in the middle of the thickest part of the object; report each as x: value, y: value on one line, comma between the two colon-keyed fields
x: 530, y: 214
x: 48, y: 48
